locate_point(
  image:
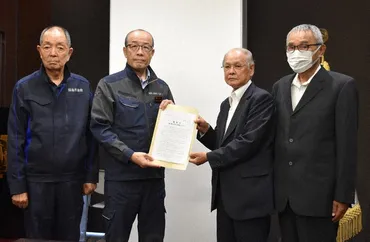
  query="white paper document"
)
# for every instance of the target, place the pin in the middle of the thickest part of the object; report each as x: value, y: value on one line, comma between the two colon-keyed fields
x: 173, y: 136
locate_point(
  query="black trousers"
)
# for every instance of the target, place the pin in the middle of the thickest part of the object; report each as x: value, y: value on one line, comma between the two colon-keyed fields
x: 54, y: 210
x: 297, y: 228
x: 124, y: 200
x: 249, y: 230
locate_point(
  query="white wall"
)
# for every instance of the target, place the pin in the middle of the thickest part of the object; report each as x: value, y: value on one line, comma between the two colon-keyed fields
x: 191, y: 38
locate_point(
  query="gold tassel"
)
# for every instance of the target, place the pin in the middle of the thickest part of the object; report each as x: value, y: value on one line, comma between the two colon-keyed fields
x: 350, y: 225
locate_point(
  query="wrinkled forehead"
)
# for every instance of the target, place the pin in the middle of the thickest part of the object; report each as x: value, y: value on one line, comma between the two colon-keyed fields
x: 300, y: 37
x: 55, y: 36
x: 140, y: 37
x: 235, y: 56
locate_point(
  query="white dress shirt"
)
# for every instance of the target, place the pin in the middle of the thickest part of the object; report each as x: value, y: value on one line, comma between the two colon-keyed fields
x: 298, y: 88
x: 234, y: 100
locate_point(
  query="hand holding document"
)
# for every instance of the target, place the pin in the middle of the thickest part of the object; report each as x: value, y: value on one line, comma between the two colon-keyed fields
x: 198, y: 158
x: 173, y: 136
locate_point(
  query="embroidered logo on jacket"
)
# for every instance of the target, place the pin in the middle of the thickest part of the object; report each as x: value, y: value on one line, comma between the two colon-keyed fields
x: 75, y: 90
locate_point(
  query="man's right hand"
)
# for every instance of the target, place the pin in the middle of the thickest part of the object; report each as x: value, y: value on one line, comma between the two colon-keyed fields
x: 20, y: 200
x: 202, y: 125
x: 143, y: 160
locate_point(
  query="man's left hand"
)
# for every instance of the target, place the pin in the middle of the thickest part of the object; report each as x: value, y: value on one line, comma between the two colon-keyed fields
x: 88, y: 188
x: 198, y: 158
x: 164, y: 104
x: 339, y: 209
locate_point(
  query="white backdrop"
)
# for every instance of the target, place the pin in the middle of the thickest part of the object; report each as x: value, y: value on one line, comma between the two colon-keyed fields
x: 191, y: 38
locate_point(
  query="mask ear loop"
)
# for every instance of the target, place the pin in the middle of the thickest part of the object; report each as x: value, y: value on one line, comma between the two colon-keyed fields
x: 314, y: 52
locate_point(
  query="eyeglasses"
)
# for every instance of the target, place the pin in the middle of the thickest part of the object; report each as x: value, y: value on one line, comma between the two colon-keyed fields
x: 301, y: 47
x: 238, y: 67
x: 135, y: 47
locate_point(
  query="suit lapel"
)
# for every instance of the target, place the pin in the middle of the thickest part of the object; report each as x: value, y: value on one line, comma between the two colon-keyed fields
x: 238, y: 112
x: 313, y: 88
x: 224, y: 112
x: 287, y: 94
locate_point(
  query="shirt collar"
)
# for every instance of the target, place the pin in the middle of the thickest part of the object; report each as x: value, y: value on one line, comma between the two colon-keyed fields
x: 147, y: 75
x: 237, y: 94
x: 145, y: 82
x: 298, y: 84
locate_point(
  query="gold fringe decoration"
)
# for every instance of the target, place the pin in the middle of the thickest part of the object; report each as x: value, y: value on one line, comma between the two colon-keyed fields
x: 325, y: 37
x: 351, y: 224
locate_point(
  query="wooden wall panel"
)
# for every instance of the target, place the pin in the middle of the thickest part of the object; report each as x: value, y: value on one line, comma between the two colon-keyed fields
x: 8, y: 25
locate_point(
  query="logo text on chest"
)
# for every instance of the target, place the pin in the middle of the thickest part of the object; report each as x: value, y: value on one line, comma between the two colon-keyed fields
x: 75, y: 89
x: 155, y: 93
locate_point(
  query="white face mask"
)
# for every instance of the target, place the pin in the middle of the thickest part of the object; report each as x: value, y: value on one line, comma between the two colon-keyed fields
x: 301, y: 61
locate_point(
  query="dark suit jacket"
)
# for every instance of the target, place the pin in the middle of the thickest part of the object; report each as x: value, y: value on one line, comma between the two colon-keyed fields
x: 241, y: 160
x: 315, y: 145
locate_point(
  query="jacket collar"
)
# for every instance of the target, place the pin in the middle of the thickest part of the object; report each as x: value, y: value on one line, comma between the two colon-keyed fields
x: 45, y: 77
x: 132, y: 75
x: 238, y: 112
x: 312, y: 90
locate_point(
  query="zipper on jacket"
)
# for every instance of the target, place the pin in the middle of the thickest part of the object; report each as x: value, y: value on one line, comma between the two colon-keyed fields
x: 145, y: 111
x: 146, y: 114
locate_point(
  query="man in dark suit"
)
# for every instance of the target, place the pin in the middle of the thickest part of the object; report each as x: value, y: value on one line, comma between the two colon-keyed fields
x: 241, y: 154
x: 315, y: 145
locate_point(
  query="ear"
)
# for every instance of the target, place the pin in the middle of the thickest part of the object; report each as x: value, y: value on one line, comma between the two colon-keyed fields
x: 251, y: 70
x: 70, y: 51
x: 322, y: 50
x: 38, y: 47
x: 153, y: 51
x: 125, y: 51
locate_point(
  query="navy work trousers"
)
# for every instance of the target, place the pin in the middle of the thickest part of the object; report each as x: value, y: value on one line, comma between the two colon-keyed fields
x: 124, y: 200
x: 54, y: 210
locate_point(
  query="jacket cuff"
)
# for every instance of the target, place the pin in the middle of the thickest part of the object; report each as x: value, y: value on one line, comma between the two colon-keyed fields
x: 92, y: 177
x: 17, y: 187
x: 128, y: 153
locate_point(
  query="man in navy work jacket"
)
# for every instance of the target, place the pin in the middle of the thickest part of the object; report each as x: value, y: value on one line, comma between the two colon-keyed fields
x: 123, y: 118
x: 50, y: 149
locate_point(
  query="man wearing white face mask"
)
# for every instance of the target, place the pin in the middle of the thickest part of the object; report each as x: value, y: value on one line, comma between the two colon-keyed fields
x: 315, y: 144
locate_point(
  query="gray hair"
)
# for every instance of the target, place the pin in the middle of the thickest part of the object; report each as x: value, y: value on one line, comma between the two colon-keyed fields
x: 307, y: 27
x: 68, y: 36
x: 247, y: 53
x: 142, y: 30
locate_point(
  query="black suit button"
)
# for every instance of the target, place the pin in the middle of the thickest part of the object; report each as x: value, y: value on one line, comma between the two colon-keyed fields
x: 291, y: 140
x: 290, y: 163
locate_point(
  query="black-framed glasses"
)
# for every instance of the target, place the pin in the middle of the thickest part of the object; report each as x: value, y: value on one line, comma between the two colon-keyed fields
x: 136, y: 47
x: 301, y: 47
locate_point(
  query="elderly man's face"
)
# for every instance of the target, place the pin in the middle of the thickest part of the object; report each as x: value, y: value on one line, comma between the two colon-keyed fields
x: 54, y: 50
x: 139, y: 50
x: 237, y: 72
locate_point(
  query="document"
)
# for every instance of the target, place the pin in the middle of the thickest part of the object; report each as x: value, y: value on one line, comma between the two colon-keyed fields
x: 173, y: 137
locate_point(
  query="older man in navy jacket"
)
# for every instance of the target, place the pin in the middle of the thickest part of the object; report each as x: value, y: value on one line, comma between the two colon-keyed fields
x: 50, y: 150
